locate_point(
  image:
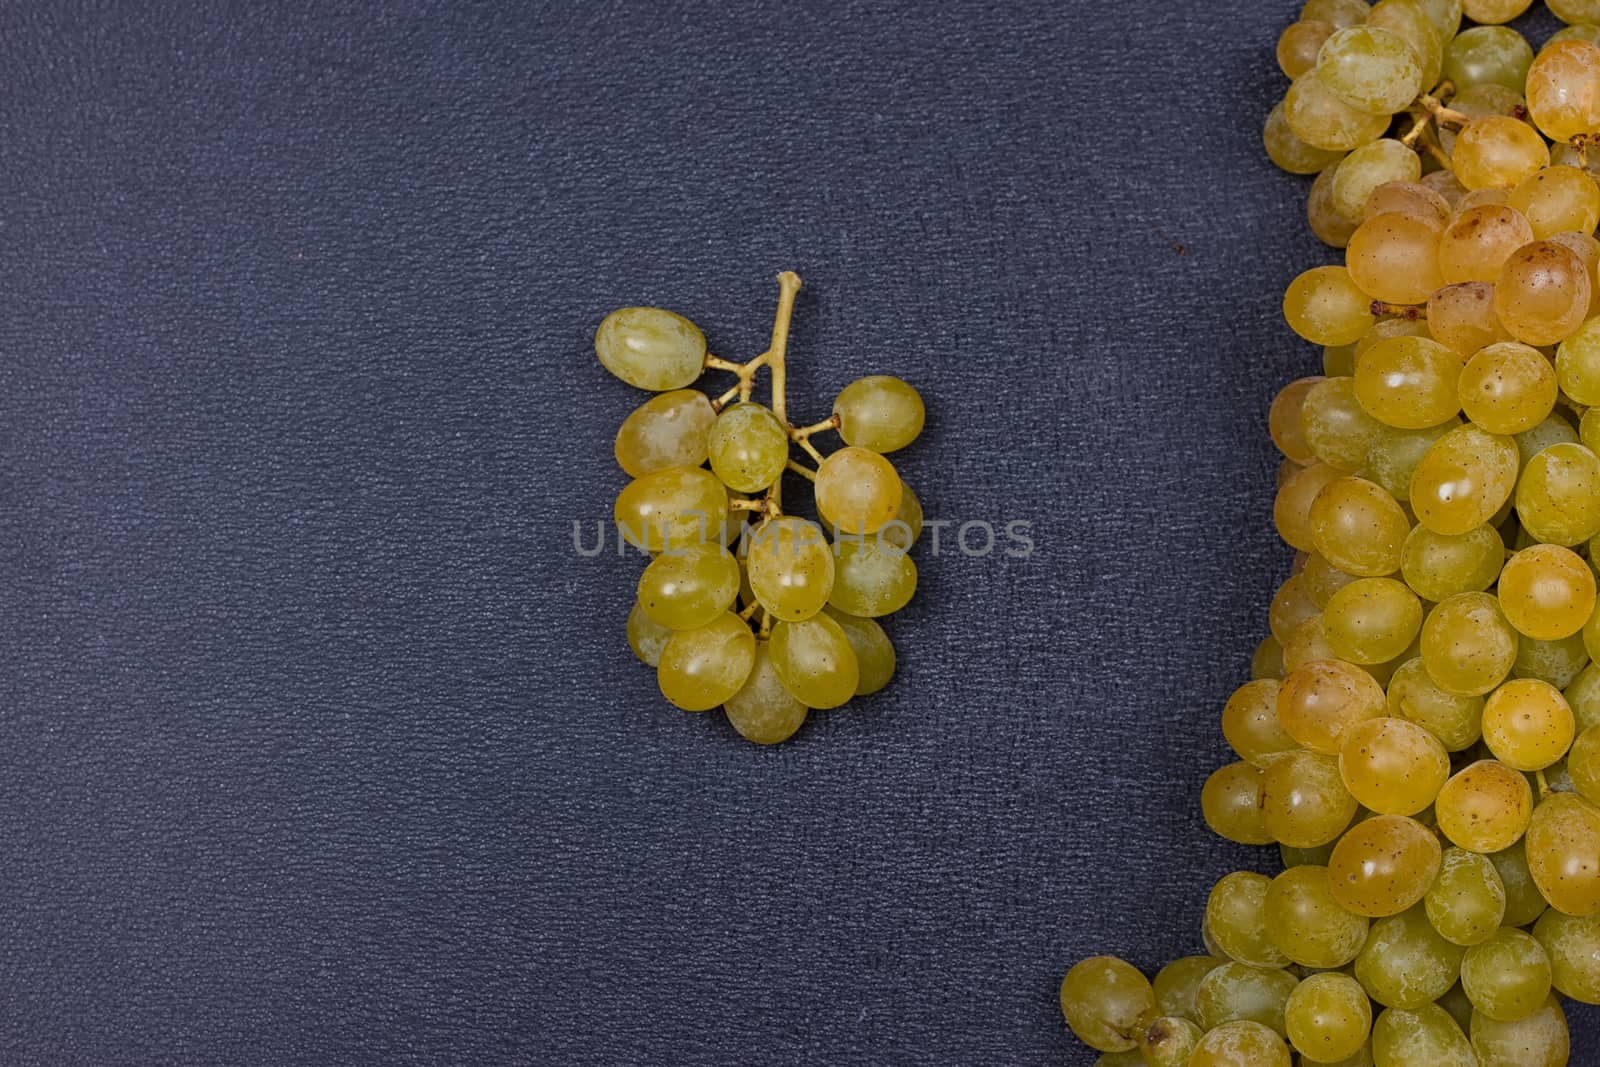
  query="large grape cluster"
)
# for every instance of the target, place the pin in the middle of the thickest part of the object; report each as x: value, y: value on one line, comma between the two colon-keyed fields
x: 743, y: 605
x: 1421, y: 735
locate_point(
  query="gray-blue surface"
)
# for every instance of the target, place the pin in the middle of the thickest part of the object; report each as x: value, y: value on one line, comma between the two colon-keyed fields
x: 319, y: 744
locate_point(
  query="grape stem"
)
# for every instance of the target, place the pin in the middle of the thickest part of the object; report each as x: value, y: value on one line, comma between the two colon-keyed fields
x: 804, y: 472
x: 749, y: 613
x: 800, y: 433
x: 776, y: 356
x: 758, y: 506
x: 1544, y: 785
x: 811, y: 450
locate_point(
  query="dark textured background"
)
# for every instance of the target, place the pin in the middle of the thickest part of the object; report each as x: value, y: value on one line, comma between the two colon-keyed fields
x: 317, y: 742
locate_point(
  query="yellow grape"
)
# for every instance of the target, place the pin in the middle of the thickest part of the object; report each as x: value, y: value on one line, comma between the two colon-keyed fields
x: 1371, y: 69
x: 762, y: 710
x: 857, y: 491
x: 1107, y: 1002
x: 1319, y: 118
x: 1236, y: 916
x: 875, y: 658
x: 1463, y: 479
x: 1250, y: 723
x: 1372, y: 620
x: 1558, y: 199
x: 651, y: 348
x: 1231, y: 801
x: 1438, y: 566
x: 1358, y: 527
x: 705, y: 667
x: 1291, y: 605
x: 1407, y: 198
x: 1552, y: 431
x: 1393, y: 766
x: 1169, y: 1042
x: 879, y: 413
x: 1578, y: 364
x: 1461, y: 317
x: 1376, y: 163
x: 1494, y: 12
x: 1319, y: 702
x: 748, y: 447
x: 1508, y: 388
x: 1336, y: 13
x: 1283, y: 420
x: 1303, y: 800
x: 1395, y: 258
x: 1237, y: 992
x: 1267, y: 660
x: 1475, y: 245
x: 1289, y: 152
x: 1488, y: 55
x: 1238, y: 1044
x: 791, y: 567
x: 872, y: 578
x: 1498, y: 150
x: 815, y: 661
x: 1539, y: 1040
x: 1408, y: 382
x: 1506, y: 977
x: 1547, y: 592
x: 1467, y: 901
x: 1485, y: 807
x: 1383, y: 866
x: 1583, y: 764
x: 1307, y: 924
x: 1564, y: 853
x: 1328, y: 1017
x: 1468, y: 646
x: 668, y: 430
x: 1557, y: 662
x: 672, y: 508
x: 1564, y: 90
x: 1298, y: 46
x: 1413, y: 696
x: 1336, y: 427
x: 646, y: 637
x: 1425, y: 1035
x: 1291, y: 509
x: 1527, y: 724
x: 1411, y: 20
x: 1321, y: 579
x: 1573, y: 945
x: 1326, y: 307
x: 1524, y: 902
x: 1542, y: 294
x: 686, y: 588
x: 1405, y: 963
x: 1558, y: 496
x: 1330, y: 227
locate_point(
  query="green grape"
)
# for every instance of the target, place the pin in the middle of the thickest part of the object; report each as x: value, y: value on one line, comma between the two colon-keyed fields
x: 1468, y: 646
x: 1456, y: 1003
x: 764, y: 711
x: 857, y: 491
x: 1322, y: 119
x: 1177, y: 983
x: 1557, y: 662
x: 1488, y: 55
x: 1445, y: 16
x: 903, y: 530
x: 1336, y: 13
x: 1467, y: 902
x: 1371, y: 70
x: 645, y: 636
x: 1583, y: 764
x: 1231, y: 803
x: 1563, y: 847
x: 1438, y: 566
x: 1484, y: 807
x: 1169, y: 1041
x: 874, y: 651
x: 1107, y: 1002
x: 1583, y: 695
x: 1578, y: 364
x: 1413, y: 696
x: 1306, y: 645
x: 1304, y: 803
x: 1508, y: 388
x: 1291, y: 605
x: 1506, y: 977
x: 1423, y: 1037
x: 1539, y: 1040
x: 871, y: 578
x: 1307, y: 924
x: 1324, y: 306
x: 665, y: 431
x: 1383, y: 866
x: 814, y: 659
x: 1332, y: 229
x: 791, y: 568
x: 686, y: 588
x: 1552, y: 431
x: 1393, y: 766
x: 705, y: 667
x: 1558, y: 495
x: 1236, y: 916
x: 651, y: 348
x: 1358, y: 527
x: 1288, y: 151
x: 1319, y: 702
x: 1547, y: 592
x: 1411, y: 19
x: 1408, y: 382
x: 1302, y: 857
x: 1241, y: 1044
x: 1527, y: 724
x: 672, y: 508
x: 1575, y: 11
x: 1291, y: 508
x: 1393, y: 455
x: 1463, y: 479
x: 1250, y: 723
x: 1328, y: 1017
x: 879, y: 413
x: 1573, y: 945
x: 1237, y: 991
x: 1298, y: 46
x: 1524, y: 902
x: 1372, y: 620
x: 1406, y: 964
x: 1321, y: 579
x: 1494, y: 11
x: 1267, y: 660
x: 748, y: 448
x: 1374, y: 164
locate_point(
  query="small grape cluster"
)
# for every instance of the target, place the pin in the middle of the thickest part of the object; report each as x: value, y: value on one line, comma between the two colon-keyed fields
x: 1421, y: 734
x: 773, y: 619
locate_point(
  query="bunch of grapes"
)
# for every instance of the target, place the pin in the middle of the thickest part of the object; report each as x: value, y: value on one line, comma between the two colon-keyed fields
x: 766, y: 618
x: 1421, y: 735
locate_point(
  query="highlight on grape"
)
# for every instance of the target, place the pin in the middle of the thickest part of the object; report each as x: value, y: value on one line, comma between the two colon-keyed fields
x: 1419, y: 738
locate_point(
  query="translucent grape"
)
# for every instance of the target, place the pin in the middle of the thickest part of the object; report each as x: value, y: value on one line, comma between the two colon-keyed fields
x: 1407, y: 198
x: 1405, y: 963
x: 1552, y: 431
x: 1539, y: 1040
x: 1444, y: 183
x: 1328, y: 1017
x: 1461, y: 317
x: 1373, y: 164
x: 1476, y: 244
x: 1393, y: 766
x: 1372, y: 620
x: 1283, y: 420
x: 687, y: 588
x: 1507, y: 977
x: 1583, y: 694
x: 1336, y: 427
x: 1234, y: 992
x: 1578, y: 11
x: 872, y: 578
x: 1547, y: 592
x: 791, y: 567
x: 651, y: 348
x: 1498, y: 150
x: 1480, y: 101
x: 1508, y: 388
x: 1411, y: 20
x: 748, y: 447
x: 1370, y: 69
x: 1485, y: 807
x: 1383, y: 866
x: 857, y: 491
x: 1558, y: 496
x: 1468, y: 646
x: 1467, y: 901
x: 1358, y: 527
x: 1169, y: 1042
x: 1236, y: 917
x: 1299, y: 43
x: 665, y: 431
x: 1395, y: 258
x: 1176, y: 984
x: 1320, y: 702
x: 879, y: 413
x: 1307, y: 924
x: 1330, y: 227
x: 1542, y: 293
x: 1321, y: 579
x: 1583, y: 764
x: 1564, y: 853
x: 1408, y: 382
x: 1578, y: 364
x: 1291, y: 509
x: 1267, y: 660
x: 705, y: 667
x: 1558, y: 199
x: 1289, y: 152
x: 1524, y: 902
x: 905, y: 528
x: 815, y: 661
x: 1231, y: 801
x: 672, y: 508
x: 1453, y: 719
x: 1492, y: 54
x: 1426, y: 1035
x: 1463, y: 480
x: 1326, y: 307
x: 1239, y: 1044
x: 1564, y: 90
x: 1557, y: 662
x: 1527, y: 724
x: 1322, y: 119
x: 1107, y: 1002
x: 762, y: 710
x: 875, y: 658
x: 1573, y: 946
x: 646, y: 637
x: 1587, y: 249
x: 1250, y: 723
x: 1291, y: 605
x: 1304, y: 802
x: 1438, y: 566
